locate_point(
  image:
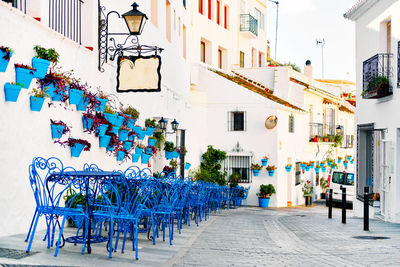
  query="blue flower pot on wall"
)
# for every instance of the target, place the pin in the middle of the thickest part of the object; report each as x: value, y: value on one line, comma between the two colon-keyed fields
x: 136, y: 128
x: 120, y: 155
x: 130, y: 123
x: 339, y: 160
x: 119, y: 120
x: 50, y: 89
x: 187, y: 166
x: 169, y: 155
x: 127, y: 145
x: 115, y: 129
x: 307, y: 168
x: 141, y: 134
x: 345, y: 164
x: 101, y: 129
x: 351, y: 161
x: 152, y: 142
x: 145, y: 158
x: 110, y: 117
x: 36, y: 103
x: 256, y: 172
x: 135, y: 157
x: 110, y: 148
x: 75, y: 96
x: 82, y: 106
x: 148, y: 150
x: 104, y: 140
x: 41, y: 66
x: 24, y: 77
x: 150, y: 131
x: 317, y: 170
x: 271, y: 173
x: 87, y: 123
x: 303, y: 166
x: 4, y: 62
x: 12, y: 92
x: 57, y: 131
x: 288, y: 168
x: 101, y: 105
x: 323, y: 169
x: 123, y: 135
x: 76, y: 150
x: 138, y: 150
x: 59, y: 94
x: 263, y: 202
x: 264, y: 162
x: 348, y: 158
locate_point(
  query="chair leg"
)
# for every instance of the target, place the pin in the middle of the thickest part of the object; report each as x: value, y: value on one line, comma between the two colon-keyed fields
x: 111, y: 238
x: 117, y: 238
x: 30, y: 227
x: 59, y: 237
x: 124, y: 240
x: 32, y: 234
x: 136, y: 240
x: 154, y: 231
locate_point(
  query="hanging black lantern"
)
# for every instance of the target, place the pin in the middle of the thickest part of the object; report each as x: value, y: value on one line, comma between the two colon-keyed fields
x: 162, y: 124
x: 174, y: 125
x: 135, y: 20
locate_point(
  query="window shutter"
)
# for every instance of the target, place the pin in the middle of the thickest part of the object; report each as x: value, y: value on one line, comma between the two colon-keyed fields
x: 229, y: 121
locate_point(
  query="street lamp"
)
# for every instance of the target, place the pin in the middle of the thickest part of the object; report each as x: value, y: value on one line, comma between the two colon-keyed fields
x: 163, y: 123
x: 339, y: 130
x: 135, y: 20
x: 174, y: 125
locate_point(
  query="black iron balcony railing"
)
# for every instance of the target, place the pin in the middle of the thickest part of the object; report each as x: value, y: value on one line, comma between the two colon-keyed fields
x: 18, y: 4
x: 348, y: 141
x: 320, y: 132
x: 377, y: 73
x: 316, y: 132
x: 248, y: 23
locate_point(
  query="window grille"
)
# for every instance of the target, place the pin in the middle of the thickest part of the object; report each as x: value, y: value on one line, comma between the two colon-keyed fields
x: 298, y: 173
x: 291, y: 123
x: 239, y: 164
x: 237, y: 121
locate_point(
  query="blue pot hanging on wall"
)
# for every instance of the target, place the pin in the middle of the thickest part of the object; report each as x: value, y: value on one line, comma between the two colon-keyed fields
x: 12, y: 92
x: 82, y: 106
x: 187, y: 166
x: 138, y: 150
x: 145, y: 158
x: 76, y: 150
x: 169, y: 155
x: 140, y: 134
x: 101, y: 105
x: 150, y: 131
x: 110, y: 117
x: 41, y: 66
x: 57, y: 131
x: 288, y: 168
x: 50, y: 89
x: 264, y: 162
x: 256, y: 172
x: 119, y: 120
x: 135, y: 157
x: 115, y: 129
x: 36, y: 103
x: 271, y: 173
x: 152, y: 142
x: 123, y: 135
x: 87, y: 123
x: 24, y: 77
x: 120, y: 155
x: 104, y: 140
x: 130, y: 123
x: 101, y: 129
x: 4, y: 62
x: 127, y: 145
x: 59, y: 94
x: 75, y: 96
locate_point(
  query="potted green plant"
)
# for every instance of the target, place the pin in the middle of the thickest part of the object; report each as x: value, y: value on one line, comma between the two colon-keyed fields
x: 307, y: 192
x: 234, y: 179
x: 12, y: 90
x: 379, y: 83
x: 256, y: 169
x: 24, y: 75
x: 37, y: 99
x: 109, y: 114
x: 266, y: 191
x: 5, y: 55
x: 323, y: 183
x: 271, y: 170
x: 101, y: 102
x: 150, y: 126
x: 159, y: 135
x: 169, y: 148
x: 42, y: 60
x: 288, y: 167
x: 264, y: 160
x: 133, y: 115
x: 174, y: 164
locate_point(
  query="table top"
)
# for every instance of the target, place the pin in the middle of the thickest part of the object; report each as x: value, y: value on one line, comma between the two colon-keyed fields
x: 95, y: 174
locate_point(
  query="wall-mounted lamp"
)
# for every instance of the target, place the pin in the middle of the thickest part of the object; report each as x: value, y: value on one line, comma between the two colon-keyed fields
x: 163, y: 123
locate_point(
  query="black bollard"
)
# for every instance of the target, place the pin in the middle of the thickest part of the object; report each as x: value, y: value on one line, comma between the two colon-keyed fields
x: 343, y: 204
x: 330, y: 204
x: 366, y: 208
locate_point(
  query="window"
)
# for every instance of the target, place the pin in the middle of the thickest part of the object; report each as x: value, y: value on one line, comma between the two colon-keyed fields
x: 330, y: 128
x: 237, y: 121
x: 238, y: 164
x: 168, y: 20
x: 254, y: 57
x: 291, y: 123
x: 262, y: 21
x: 241, y: 59
x: 203, y: 52
x: 226, y: 17
x: 154, y: 12
x: 220, y: 58
x: 209, y: 9
x: 298, y: 173
x: 261, y: 59
x: 201, y: 7
x: 218, y: 12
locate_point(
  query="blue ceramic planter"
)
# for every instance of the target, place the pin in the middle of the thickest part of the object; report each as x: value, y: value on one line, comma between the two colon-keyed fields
x: 50, y: 89
x: 345, y: 164
x: 12, y: 92
x: 169, y: 155
x: 145, y: 158
x: 57, y: 131
x: 87, y: 123
x: 127, y: 145
x: 187, y: 166
x: 123, y: 135
x: 120, y: 155
x: 41, y: 66
x: 307, y: 168
x: 75, y: 96
x: 135, y: 157
x: 150, y: 131
x: 82, y: 106
x: 4, y: 62
x: 303, y: 166
x: 110, y: 117
x: 317, y: 170
x: 329, y: 164
x: 131, y: 137
x: 263, y: 202
x: 76, y: 150
x: 271, y: 173
x: 323, y: 169
x: 36, y: 103
x: 136, y: 128
x: 130, y: 123
x: 288, y: 168
x: 104, y: 140
x: 110, y: 148
x: 138, y: 150
x: 141, y: 134
x: 339, y: 160
x: 152, y: 142
x: 115, y: 129
x: 59, y: 94
x: 148, y: 151
x: 102, y: 105
x: 349, y: 158
x: 351, y: 161
x: 101, y: 129
x: 264, y: 162
x: 256, y: 172
x: 312, y: 165
x: 175, y: 154
x: 24, y: 77
x: 119, y: 120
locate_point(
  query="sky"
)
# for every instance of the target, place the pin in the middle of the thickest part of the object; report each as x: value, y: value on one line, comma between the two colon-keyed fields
x: 301, y: 22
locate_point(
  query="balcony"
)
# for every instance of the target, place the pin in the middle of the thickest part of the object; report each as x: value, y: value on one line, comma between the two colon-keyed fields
x: 320, y: 132
x: 377, y: 73
x: 248, y: 25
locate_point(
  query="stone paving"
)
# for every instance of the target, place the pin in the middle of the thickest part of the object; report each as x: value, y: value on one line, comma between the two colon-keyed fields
x: 251, y: 236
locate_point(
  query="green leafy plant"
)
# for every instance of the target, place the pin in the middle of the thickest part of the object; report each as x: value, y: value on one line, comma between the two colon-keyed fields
x: 266, y: 191
x: 48, y: 54
x: 174, y: 164
x: 169, y: 146
x: 159, y: 135
x: 7, y: 51
x: 39, y: 93
x: 210, y: 167
x: 256, y: 167
x: 293, y: 65
x: 271, y: 168
x: 131, y: 111
x: 234, y: 179
x: 150, y: 123
x: 307, y: 188
x: 109, y: 110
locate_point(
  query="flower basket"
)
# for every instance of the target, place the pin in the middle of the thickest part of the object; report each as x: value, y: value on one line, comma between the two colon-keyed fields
x: 150, y: 131
x: 101, y: 105
x: 345, y: 164
x: 36, y: 103
x: 135, y: 157
x: 104, y: 140
x: 12, y: 92
x: 75, y: 96
x: 288, y: 168
x: 120, y: 155
x: 130, y: 123
x: 307, y: 168
x: 187, y: 166
x: 24, y: 77
x: 110, y: 117
x: 127, y: 145
x: 138, y: 150
x: 351, y: 161
x: 122, y: 135
x: 119, y: 120
x: 87, y: 123
x: 264, y: 162
x: 152, y: 142
x: 101, y: 129
x: 263, y: 202
x: 339, y: 160
x: 76, y: 150
x: 4, y: 62
x: 271, y: 173
x: 82, y: 105
x: 256, y: 172
x: 141, y: 134
x: 303, y: 166
x: 323, y: 169
x: 145, y: 158
x: 41, y: 66
x: 57, y: 131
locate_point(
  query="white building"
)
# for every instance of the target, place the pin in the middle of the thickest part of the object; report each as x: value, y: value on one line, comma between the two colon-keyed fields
x: 378, y: 134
